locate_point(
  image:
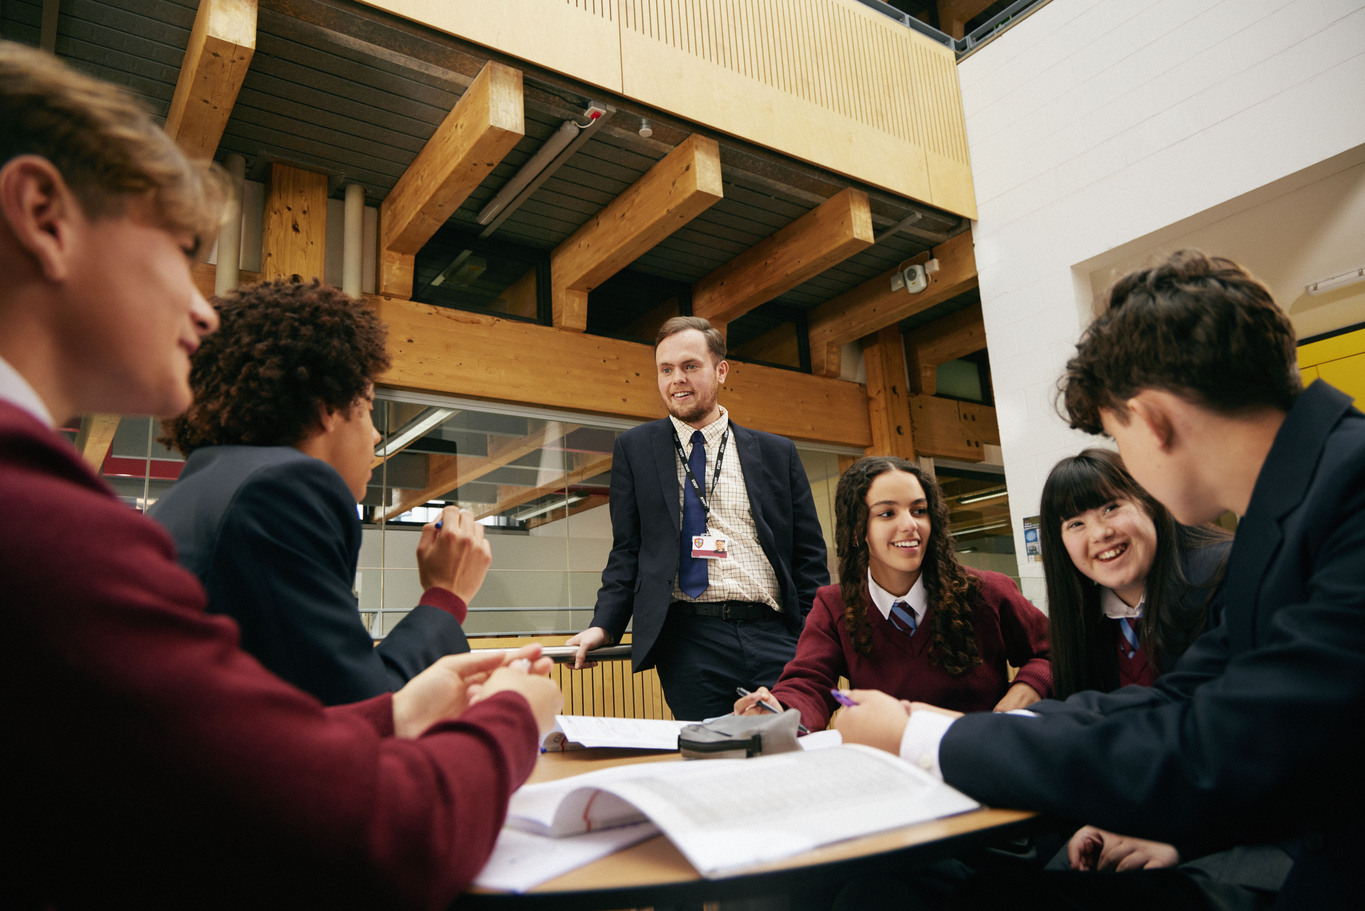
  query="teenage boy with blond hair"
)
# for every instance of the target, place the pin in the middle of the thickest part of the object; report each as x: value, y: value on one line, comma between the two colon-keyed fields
x: 152, y: 763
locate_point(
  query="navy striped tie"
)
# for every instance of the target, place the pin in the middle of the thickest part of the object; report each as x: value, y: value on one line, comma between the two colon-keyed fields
x: 903, y: 618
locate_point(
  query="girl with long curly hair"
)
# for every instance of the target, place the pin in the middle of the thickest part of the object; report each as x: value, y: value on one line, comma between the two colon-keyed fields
x: 907, y: 618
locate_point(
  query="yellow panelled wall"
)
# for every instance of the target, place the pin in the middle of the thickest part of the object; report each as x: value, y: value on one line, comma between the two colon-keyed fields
x: 609, y: 690
x: 1340, y: 360
x: 833, y: 82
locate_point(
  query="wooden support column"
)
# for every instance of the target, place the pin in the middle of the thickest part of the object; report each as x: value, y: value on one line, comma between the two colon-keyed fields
x: 95, y: 437
x: 455, y: 352
x: 673, y: 192
x: 828, y: 234
x: 219, y: 53
x: 475, y: 136
x: 873, y: 305
x: 888, y: 406
x: 955, y: 336
x: 295, y: 230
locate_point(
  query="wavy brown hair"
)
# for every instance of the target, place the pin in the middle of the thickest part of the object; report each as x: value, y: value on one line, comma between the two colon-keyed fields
x: 284, y: 350
x: 951, y: 590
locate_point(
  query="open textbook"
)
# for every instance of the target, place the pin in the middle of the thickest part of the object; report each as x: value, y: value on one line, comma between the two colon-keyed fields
x: 726, y: 815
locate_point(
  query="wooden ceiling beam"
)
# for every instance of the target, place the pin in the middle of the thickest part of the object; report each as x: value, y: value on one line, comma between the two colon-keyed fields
x: 949, y: 429
x: 824, y: 236
x: 585, y: 466
x: 485, y: 124
x: 217, y: 58
x: 955, y: 336
x: 873, y: 306
x: 445, y: 473
x: 592, y: 501
x: 95, y: 437
x: 456, y: 352
x: 953, y: 15
x: 685, y: 183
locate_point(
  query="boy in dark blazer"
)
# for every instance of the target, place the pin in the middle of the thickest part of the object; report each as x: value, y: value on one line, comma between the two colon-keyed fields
x: 1254, y: 735
x: 279, y: 446
x: 738, y: 624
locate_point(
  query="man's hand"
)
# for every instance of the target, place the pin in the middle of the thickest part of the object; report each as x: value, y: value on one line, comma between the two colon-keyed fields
x: 444, y: 690
x: 878, y: 720
x: 1018, y: 696
x: 454, y: 557
x: 591, y: 638
x: 1095, y: 849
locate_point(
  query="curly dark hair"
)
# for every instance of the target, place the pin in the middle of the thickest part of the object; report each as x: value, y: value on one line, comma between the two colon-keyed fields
x: 284, y: 348
x: 1083, y: 658
x: 951, y: 590
x: 1195, y: 325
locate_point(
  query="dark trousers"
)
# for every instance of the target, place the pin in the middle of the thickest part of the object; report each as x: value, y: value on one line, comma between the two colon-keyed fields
x: 1138, y: 890
x: 701, y: 660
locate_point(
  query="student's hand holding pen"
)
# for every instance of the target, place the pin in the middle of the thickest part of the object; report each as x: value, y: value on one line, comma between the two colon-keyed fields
x: 873, y: 718
x: 453, y: 553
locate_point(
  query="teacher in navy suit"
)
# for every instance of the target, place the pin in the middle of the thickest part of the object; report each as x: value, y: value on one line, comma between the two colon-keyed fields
x: 716, y: 547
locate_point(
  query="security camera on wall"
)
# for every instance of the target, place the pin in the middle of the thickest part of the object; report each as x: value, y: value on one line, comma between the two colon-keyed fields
x: 913, y: 279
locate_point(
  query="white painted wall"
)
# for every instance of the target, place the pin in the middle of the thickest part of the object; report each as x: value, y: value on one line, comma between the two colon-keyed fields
x: 1092, y: 124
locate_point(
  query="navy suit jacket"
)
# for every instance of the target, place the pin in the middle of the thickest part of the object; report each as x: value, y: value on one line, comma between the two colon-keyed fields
x: 645, y: 524
x: 1257, y: 733
x: 273, y: 535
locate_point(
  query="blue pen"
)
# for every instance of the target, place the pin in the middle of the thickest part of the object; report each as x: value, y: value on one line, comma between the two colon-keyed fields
x: 842, y: 698
x: 768, y: 708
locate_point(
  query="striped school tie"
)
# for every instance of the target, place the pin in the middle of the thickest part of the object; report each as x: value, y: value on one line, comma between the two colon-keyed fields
x: 903, y: 618
x: 1130, y: 644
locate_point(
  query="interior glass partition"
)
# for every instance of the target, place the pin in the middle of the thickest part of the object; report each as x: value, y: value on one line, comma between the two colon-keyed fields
x: 538, y: 482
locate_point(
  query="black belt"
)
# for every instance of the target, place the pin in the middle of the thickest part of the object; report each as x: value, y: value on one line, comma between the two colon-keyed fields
x: 726, y: 610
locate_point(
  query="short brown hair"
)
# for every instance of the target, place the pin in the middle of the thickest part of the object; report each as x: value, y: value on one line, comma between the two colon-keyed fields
x: 1199, y: 326
x: 715, y: 342
x: 106, y: 146
x: 282, y: 350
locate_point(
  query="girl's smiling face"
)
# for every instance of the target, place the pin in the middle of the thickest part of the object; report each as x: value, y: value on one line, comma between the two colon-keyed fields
x: 898, y: 528
x: 1113, y: 545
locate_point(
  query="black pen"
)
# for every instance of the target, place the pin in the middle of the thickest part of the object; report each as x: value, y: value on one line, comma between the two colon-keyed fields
x: 768, y: 708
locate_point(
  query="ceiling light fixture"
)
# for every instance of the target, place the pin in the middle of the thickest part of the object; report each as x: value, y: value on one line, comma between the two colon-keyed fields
x: 973, y: 529
x: 1322, y: 286
x: 540, y: 166
x: 566, y: 502
x: 991, y: 494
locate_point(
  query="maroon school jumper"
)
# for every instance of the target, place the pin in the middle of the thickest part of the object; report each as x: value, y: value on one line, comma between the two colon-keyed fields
x: 1008, y: 629
x: 151, y: 763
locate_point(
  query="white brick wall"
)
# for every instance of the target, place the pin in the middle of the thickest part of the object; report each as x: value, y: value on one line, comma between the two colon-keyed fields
x: 1093, y: 124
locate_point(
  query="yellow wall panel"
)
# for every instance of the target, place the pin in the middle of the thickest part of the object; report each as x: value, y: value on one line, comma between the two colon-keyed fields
x: 577, y: 37
x: 832, y: 82
x: 1340, y: 360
